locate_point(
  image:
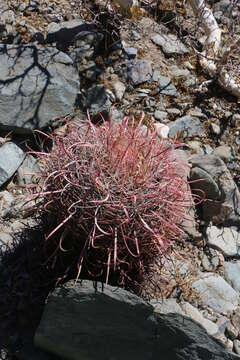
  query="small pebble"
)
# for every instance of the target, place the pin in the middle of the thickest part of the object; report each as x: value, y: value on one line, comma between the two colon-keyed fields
x: 215, y: 129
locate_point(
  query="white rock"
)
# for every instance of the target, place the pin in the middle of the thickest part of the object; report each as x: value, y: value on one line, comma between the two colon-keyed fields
x: 162, y: 130
x: 224, y: 239
x: 195, y: 314
x: 11, y: 157
x: 119, y: 89
x: 232, y: 274
x: 216, y: 293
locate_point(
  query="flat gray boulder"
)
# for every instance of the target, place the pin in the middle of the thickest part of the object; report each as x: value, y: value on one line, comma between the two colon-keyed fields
x: 37, y: 85
x: 91, y: 322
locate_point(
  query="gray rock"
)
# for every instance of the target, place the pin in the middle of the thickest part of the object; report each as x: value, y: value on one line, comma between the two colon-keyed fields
x: 139, y: 71
x: 225, y: 239
x: 169, y: 44
x: 176, y: 71
x: 195, y: 315
x: 6, y: 201
x: 224, y: 152
x: 231, y: 331
x: 160, y: 115
x: 11, y: 157
x: 232, y: 273
x: 96, y: 101
x: 236, y: 346
x: 131, y: 52
x: 156, y: 75
x: 222, y: 323
x: 207, y: 149
x: 79, y: 319
x: 88, y: 36
x: 36, y: 86
x: 202, y: 180
x: 166, y: 86
x: 216, y: 293
x: 222, y: 5
x: 21, y: 208
x: 27, y: 170
x: 188, y: 126
x: 224, y: 209
x: 77, y: 55
x: 210, y: 261
x: 65, y: 31
x: 167, y: 306
x: 89, y: 70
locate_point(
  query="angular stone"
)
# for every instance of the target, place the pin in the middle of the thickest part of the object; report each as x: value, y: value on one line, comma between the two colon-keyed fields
x: 99, y: 322
x: 231, y: 331
x: 216, y: 293
x: 140, y: 71
x: 160, y: 115
x: 195, y: 315
x: 232, y: 274
x: 166, y: 86
x: 11, y: 157
x: 225, y: 209
x: 201, y: 179
x: 167, y: 306
x: 227, y: 240
x: 37, y: 84
x: 169, y: 44
x: 65, y: 31
x: 78, y: 318
x: 96, y: 101
x: 188, y: 126
x: 27, y: 170
x: 131, y: 52
x: 176, y: 71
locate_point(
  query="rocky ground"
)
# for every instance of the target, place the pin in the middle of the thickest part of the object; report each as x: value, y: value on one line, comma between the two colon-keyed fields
x: 61, y: 58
